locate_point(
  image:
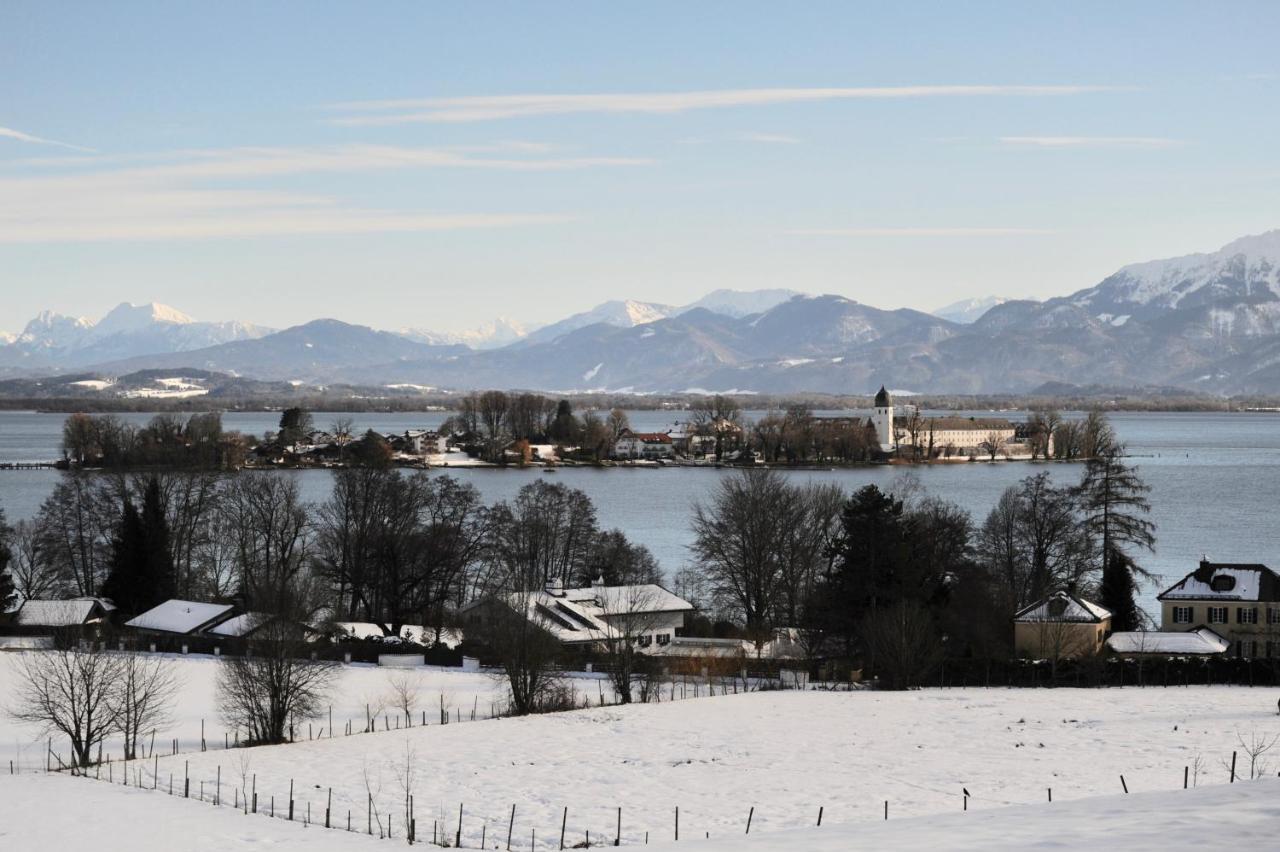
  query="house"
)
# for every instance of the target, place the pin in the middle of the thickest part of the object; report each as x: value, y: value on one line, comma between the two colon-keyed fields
x: 75, y: 612
x: 643, y: 445
x: 181, y: 618
x: 1240, y: 602
x: 420, y: 442
x: 1061, y: 626
x: 1201, y: 642
x: 647, y: 613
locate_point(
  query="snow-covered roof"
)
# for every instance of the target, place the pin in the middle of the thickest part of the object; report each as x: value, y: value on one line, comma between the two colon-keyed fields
x: 177, y: 616
x: 619, y: 600
x: 1061, y: 606
x: 42, y: 613
x: 1201, y: 641
x: 239, y: 625
x: 1225, y: 581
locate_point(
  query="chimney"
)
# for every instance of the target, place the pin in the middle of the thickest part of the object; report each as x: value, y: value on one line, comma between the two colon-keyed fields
x: 555, y: 588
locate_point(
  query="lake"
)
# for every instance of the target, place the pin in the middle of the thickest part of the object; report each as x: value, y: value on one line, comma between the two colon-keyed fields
x: 1215, y: 480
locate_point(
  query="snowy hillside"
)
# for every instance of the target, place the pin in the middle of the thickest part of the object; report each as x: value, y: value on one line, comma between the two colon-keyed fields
x: 1234, y: 291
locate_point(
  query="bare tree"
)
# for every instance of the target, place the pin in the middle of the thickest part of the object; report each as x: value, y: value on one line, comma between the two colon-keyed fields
x: 527, y: 652
x: 34, y: 575
x: 630, y: 620
x: 68, y: 691
x: 993, y: 444
x: 142, y: 697
x: 273, y: 685
x: 1256, y: 746
x: 904, y: 644
x: 402, y: 692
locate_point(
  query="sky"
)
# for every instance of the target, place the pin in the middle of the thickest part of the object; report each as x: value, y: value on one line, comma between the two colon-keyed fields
x: 434, y: 165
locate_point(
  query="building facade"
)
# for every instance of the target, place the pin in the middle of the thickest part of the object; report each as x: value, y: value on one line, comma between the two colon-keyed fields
x: 1238, y: 601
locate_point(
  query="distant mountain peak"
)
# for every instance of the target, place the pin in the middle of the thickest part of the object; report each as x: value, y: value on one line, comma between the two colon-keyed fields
x: 967, y: 311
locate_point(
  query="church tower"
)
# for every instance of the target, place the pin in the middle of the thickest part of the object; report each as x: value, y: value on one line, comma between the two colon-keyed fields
x: 882, y: 419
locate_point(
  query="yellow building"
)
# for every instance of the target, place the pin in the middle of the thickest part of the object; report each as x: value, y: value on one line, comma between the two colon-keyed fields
x: 1060, y: 627
x: 1239, y: 602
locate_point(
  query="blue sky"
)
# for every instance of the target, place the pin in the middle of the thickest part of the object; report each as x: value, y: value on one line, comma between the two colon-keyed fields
x: 435, y: 165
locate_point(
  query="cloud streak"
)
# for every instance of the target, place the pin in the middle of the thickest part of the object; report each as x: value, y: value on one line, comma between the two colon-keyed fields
x: 10, y: 133
x: 221, y: 193
x: 1091, y: 141
x: 921, y: 232
x: 495, y: 107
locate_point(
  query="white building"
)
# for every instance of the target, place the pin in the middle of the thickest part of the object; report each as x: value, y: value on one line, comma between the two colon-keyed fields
x: 943, y: 435
x: 647, y: 613
x: 643, y: 445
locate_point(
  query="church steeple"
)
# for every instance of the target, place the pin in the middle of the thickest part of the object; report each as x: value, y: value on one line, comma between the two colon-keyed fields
x: 882, y: 398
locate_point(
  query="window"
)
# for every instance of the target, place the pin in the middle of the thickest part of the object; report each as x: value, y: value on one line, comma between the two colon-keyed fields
x: 1183, y: 614
x: 1217, y: 615
x: 646, y: 641
x: 1273, y: 615
x: 664, y: 638
x: 1246, y: 649
x: 1246, y: 615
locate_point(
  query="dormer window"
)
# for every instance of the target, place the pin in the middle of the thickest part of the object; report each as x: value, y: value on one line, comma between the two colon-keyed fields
x: 1222, y: 583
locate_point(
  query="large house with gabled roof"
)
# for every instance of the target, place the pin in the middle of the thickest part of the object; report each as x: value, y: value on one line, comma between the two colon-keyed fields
x: 1238, y: 601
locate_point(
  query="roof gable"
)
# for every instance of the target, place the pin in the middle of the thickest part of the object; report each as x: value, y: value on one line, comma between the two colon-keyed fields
x: 178, y: 616
x: 1062, y: 607
x: 1225, y: 581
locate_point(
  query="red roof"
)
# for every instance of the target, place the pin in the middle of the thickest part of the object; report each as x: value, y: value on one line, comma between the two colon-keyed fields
x: 652, y: 437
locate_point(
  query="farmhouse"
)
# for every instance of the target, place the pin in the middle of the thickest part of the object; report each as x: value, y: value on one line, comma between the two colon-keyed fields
x: 1061, y: 626
x: 1239, y: 602
x: 648, y: 613
x: 75, y: 612
x: 181, y: 618
x: 643, y: 445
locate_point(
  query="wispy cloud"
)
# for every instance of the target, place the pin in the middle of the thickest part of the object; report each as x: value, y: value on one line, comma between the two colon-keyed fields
x: 493, y: 107
x: 1091, y: 141
x: 768, y: 138
x: 10, y: 133
x: 921, y: 232
x: 219, y: 193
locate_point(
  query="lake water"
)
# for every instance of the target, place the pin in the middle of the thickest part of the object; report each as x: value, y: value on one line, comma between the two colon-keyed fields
x: 1215, y: 480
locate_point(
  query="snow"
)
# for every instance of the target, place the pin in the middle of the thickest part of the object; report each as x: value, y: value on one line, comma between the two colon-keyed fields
x: 62, y: 812
x: 786, y: 753
x: 238, y: 625
x: 591, y: 374
x: 40, y: 613
x: 357, y: 685
x: 93, y: 384
x: 795, y: 362
x: 1247, y: 585
x: 1201, y: 641
x: 178, y: 616
x: 617, y: 600
x: 1074, y: 609
x: 1203, y: 818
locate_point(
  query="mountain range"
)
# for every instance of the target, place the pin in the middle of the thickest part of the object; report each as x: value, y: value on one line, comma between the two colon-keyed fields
x: 1206, y: 322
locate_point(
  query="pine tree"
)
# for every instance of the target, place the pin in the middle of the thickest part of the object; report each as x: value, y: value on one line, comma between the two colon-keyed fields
x: 8, y: 592
x: 1114, y: 501
x: 141, y: 573
x: 124, y: 568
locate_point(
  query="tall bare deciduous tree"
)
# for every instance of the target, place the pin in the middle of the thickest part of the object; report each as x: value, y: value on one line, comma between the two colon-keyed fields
x: 69, y: 692
x: 142, y: 698
x: 274, y: 686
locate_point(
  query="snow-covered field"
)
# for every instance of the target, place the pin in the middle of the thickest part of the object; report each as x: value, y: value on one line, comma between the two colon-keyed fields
x: 785, y: 754
x: 356, y: 687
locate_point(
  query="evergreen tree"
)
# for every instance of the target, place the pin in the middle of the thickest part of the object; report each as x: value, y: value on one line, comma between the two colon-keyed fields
x: 1113, y: 498
x: 8, y: 592
x: 141, y: 573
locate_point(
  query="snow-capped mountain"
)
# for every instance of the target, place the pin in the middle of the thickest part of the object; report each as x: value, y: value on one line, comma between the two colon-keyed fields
x: 967, y: 311
x: 490, y: 335
x: 1232, y: 292
x: 619, y: 313
x: 55, y: 341
x: 741, y: 303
